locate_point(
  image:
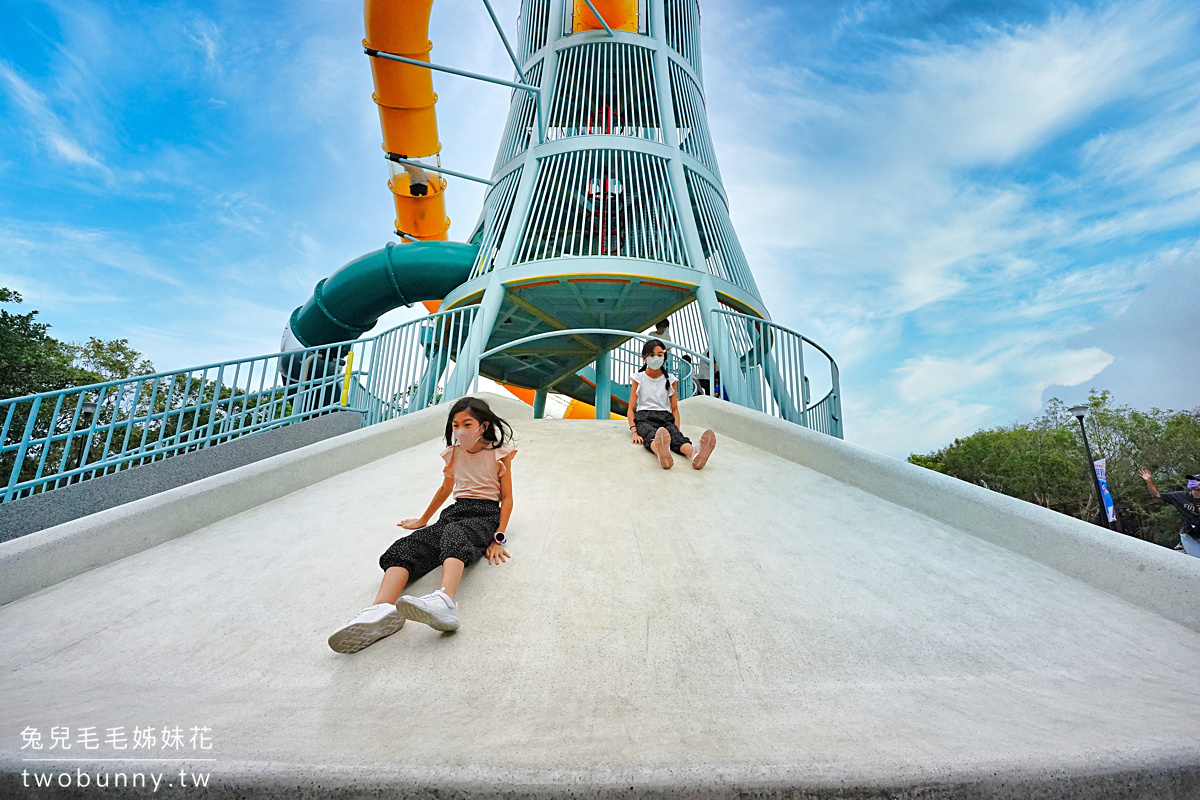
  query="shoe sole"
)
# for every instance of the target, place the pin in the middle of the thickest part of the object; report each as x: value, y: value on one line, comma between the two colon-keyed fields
x: 417, y: 614
x: 708, y: 443
x: 663, y: 440
x: 353, y: 638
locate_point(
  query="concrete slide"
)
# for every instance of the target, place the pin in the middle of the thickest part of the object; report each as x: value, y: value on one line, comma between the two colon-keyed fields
x: 803, y: 618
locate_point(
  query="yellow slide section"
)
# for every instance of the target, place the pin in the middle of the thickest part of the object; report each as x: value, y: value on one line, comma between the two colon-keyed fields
x: 621, y: 15
x: 577, y: 409
x: 404, y: 95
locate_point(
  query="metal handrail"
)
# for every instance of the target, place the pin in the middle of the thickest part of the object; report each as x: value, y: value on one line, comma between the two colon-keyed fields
x: 677, y: 363
x: 573, y: 331
x: 83, y: 432
x: 56, y: 438
x: 768, y: 372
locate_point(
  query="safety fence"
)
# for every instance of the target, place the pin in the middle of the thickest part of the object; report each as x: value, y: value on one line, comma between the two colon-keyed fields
x: 58, y: 438
x: 763, y: 367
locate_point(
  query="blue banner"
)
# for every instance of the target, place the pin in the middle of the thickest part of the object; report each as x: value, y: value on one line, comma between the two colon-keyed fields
x: 1101, y: 476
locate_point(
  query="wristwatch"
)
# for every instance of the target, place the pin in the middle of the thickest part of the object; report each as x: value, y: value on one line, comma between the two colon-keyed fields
x: 500, y: 538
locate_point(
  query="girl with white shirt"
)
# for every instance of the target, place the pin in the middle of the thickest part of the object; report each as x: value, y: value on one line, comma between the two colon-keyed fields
x: 654, y: 412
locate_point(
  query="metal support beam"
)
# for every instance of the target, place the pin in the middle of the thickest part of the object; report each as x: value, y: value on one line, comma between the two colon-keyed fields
x: 539, y: 403
x: 500, y: 30
x: 603, y: 384
x: 537, y: 313
x: 451, y: 70
x: 721, y: 344
x: 431, y: 168
x: 466, y: 365
x: 607, y: 29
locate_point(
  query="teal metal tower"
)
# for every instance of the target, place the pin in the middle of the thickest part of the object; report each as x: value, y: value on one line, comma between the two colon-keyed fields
x: 607, y: 213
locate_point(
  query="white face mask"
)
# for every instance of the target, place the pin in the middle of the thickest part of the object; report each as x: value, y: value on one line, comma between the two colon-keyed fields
x: 655, y: 362
x: 468, y: 437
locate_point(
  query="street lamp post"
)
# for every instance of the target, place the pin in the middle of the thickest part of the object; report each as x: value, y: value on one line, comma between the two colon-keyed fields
x: 1079, y: 412
x: 87, y: 411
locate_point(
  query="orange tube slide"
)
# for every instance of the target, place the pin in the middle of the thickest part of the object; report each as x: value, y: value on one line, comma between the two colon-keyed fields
x: 405, y: 98
x: 621, y: 15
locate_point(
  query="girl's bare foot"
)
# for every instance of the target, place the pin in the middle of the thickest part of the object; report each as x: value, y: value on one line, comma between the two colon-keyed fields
x: 662, y: 448
x: 708, y: 443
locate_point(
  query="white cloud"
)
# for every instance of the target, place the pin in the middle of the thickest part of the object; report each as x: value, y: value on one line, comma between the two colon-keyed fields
x: 928, y: 378
x: 206, y: 35
x: 931, y: 207
x: 45, y: 124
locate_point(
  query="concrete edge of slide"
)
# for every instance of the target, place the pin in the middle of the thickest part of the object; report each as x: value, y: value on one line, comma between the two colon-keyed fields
x: 1153, y: 577
x: 44, y: 558
x: 1122, y: 778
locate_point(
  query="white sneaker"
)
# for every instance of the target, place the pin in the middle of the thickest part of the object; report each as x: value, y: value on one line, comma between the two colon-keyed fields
x: 662, y: 448
x: 436, y: 610
x: 372, y: 624
x: 708, y: 443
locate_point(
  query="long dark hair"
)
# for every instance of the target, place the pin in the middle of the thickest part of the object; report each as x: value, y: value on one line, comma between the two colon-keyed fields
x: 497, y: 431
x: 648, y: 349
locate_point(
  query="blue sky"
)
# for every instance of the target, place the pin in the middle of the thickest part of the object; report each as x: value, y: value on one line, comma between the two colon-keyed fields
x: 973, y: 206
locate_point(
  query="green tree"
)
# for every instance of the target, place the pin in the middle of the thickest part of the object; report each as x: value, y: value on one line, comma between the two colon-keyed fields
x: 111, y: 360
x: 32, y: 361
x: 1043, y: 461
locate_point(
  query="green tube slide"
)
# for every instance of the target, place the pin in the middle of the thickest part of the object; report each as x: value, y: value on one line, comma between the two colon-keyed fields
x: 350, y: 301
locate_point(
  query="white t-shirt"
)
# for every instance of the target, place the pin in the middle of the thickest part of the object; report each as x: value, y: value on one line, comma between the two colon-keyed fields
x: 652, y: 393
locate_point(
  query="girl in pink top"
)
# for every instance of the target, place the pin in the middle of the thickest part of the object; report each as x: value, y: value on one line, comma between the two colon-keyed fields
x: 478, y: 475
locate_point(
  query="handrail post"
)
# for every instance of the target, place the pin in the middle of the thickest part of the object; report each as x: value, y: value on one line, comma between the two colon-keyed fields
x: 15, y: 476
x: 835, y: 395
x: 346, y: 379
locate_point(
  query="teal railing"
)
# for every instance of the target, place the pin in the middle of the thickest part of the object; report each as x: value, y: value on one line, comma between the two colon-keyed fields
x: 764, y: 369
x: 58, y: 438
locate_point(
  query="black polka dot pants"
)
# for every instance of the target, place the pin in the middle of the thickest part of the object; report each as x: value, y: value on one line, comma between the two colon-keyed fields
x: 462, y: 531
x: 648, y: 423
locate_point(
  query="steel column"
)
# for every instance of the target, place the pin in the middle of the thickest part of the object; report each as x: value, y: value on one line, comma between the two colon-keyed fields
x: 603, y: 385
x: 466, y: 364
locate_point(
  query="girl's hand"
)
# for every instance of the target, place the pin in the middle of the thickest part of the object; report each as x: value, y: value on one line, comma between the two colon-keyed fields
x: 1145, y: 475
x: 496, y: 553
x: 636, y: 439
x: 411, y: 524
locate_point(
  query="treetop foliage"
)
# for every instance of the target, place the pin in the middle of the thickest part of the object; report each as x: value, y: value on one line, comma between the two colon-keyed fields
x: 1043, y: 461
x: 32, y: 361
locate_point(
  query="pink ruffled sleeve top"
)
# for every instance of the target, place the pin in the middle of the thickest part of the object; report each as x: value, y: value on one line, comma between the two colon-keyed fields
x: 476, y: 475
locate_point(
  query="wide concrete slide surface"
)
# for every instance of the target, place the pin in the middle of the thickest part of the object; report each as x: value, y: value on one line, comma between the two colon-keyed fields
x: 755, y: 626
